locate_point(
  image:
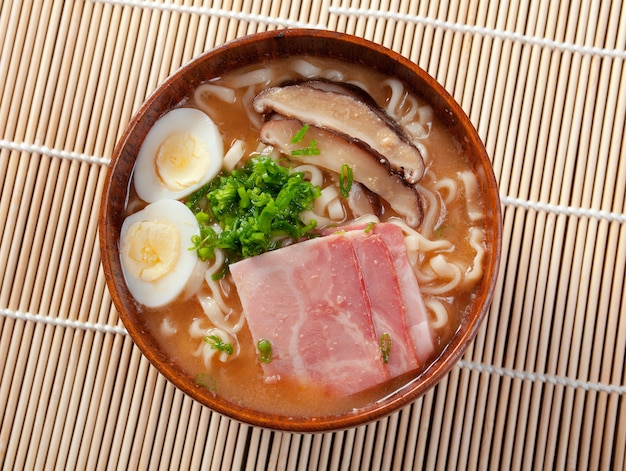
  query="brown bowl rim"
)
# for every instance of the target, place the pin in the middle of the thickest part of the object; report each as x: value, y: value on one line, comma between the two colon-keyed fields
x: 273, y: 44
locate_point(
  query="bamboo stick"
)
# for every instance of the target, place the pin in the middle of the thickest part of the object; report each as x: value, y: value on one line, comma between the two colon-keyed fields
x: 167, y: 457
x: 103, y: 451
x: 201, y: 438
x: 209, y: 451
x: 55, y: 346
x: 241, y: 446
x: 530, y: 324
x: 92, y: 399
x: 80, y: 295
x: 598, y: 181
x: 17, y: 266
x: 552, y: 254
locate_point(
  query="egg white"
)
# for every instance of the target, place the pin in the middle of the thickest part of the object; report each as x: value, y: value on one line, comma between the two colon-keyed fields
x: 182, y: 151
x: 154, y: 274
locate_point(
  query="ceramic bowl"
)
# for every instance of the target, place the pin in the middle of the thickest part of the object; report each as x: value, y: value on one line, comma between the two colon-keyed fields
x: 255, y: 49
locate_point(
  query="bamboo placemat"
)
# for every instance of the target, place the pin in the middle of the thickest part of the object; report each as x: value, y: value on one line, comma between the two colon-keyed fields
x: 543, y: 385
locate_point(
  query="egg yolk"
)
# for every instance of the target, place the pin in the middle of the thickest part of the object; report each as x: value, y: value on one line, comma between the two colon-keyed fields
x: 182, y: 160
x: 150, y: 249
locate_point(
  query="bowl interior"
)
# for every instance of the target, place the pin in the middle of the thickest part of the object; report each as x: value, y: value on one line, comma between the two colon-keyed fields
x: 256, y: 49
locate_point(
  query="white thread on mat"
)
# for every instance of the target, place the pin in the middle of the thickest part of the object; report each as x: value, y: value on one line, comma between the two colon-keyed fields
x: 55, y: 321
x: 565, y: 210
x: 543, y: 378
x: 461, y: 28
x: 228, y: 14
x: 480, y: 367
x: 63, y: 154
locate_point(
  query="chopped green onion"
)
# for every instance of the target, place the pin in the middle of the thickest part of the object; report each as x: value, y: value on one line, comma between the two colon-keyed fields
x: 300, y: 134
x: 203, y: 243
x: 370, y: 227
x: 205, y: 253
x: 311, y: 150
x: 345, y: 180
x: 202, y: 217
x: 385, y: 347
x: 256, y: 207
x: 441, y: 231
x: 220, y: 274
x: 265, y: 350
x: 206, y: 381
x: 216, y: 343
x: 244, y: 200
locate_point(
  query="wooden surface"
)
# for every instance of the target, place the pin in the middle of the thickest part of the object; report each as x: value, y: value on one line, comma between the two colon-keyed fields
x: 543, y: 386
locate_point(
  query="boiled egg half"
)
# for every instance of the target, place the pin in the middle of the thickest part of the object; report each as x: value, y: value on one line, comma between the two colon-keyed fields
x: 154, y: 250
x: 181, y: 152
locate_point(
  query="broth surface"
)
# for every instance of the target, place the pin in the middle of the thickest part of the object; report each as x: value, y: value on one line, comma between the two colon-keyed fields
x: 241, y: 379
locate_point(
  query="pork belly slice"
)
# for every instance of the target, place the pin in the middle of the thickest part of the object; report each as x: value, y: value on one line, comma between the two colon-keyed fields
x: 309, y: 301
x: 415, y: 310
x: 388, y: 309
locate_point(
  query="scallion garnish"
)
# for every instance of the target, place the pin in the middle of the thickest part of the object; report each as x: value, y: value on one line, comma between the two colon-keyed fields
x: 370, y: 227
x: 265, y: 350
x: 297, y: 137
x: 206, y: 381
x: 385, y: 347
x: 311, y: 150
x: 216, y: 343
x: 345, y: 180
x: 254, y: 206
